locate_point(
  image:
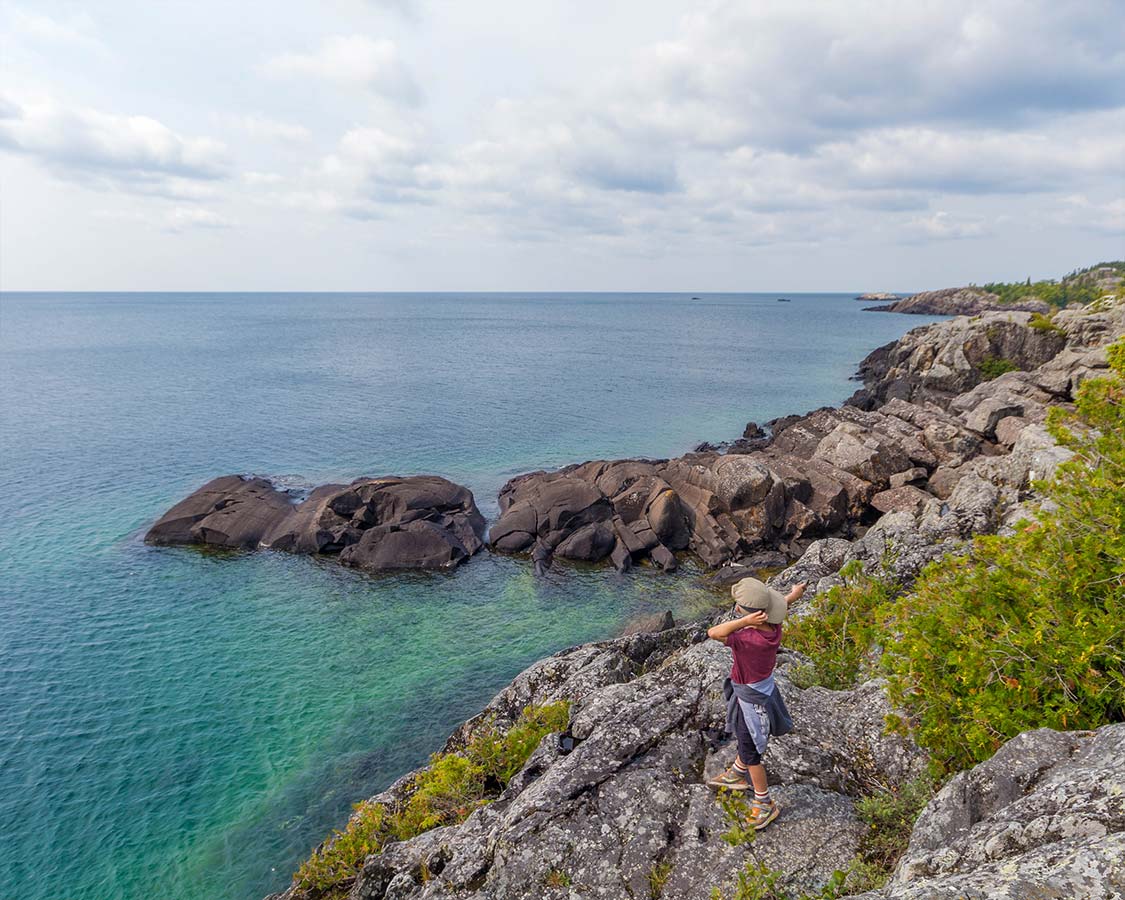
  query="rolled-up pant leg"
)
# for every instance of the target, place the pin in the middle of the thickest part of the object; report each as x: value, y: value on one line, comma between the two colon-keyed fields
x: 747, y: 752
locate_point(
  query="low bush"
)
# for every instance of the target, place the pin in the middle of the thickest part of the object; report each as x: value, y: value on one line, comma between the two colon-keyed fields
x: 557, y: 878
x: 994, y: 366
x: 890, y: 814
x: 658, y: 878
x: 1041, y: 322
x: 1080, y: 286
x: 1027, y: 631
x: 444, y: 793
x: 840, y: 632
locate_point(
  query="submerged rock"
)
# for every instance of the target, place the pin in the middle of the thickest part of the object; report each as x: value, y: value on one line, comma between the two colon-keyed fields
x: 375, y: 524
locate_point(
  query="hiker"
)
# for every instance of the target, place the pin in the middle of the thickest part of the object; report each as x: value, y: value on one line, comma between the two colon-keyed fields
x: 755, y: 708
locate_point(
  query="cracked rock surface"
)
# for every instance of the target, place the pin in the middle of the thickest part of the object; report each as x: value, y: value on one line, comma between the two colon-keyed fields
x: 632, y: 796
x: 1044, y: 817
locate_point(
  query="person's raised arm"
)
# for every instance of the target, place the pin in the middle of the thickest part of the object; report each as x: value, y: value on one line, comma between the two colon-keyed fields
x: 724, y: 630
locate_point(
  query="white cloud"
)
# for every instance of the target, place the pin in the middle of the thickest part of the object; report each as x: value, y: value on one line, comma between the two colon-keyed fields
x: 983, y: 161
x: 260, y: 126
x: 371, y: 171
x: 134, y: 153
x: 184, y: 217
x: 408, y: 9
x: 1103, y: 215
x: 262, y: 178
x: 77, y: 31
x: 942, y: 226
x: 354, y: 60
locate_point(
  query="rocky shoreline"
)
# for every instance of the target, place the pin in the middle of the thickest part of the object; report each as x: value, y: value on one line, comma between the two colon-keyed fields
x: 929, y: 406
x: 928, y: 453
x: 966, y: 301
x: 927, y: 410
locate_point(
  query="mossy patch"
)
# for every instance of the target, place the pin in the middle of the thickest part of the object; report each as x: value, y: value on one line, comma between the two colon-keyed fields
x: 443, y: 793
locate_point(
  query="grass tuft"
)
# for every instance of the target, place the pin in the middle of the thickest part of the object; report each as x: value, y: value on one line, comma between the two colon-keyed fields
x: 444, y: 793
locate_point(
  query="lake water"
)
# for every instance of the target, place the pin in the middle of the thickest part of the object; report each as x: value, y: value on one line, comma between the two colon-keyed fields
x: 187, y: 725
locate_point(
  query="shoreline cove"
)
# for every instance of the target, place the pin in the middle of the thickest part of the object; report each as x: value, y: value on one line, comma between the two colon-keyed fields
x: 258, y: 695
x: 950, y: 449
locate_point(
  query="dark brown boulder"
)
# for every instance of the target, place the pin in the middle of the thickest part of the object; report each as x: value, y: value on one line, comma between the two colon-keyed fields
x: 414, y: 545
x: 590, y: 543
x: 232, y: 511
x: 421, y: 521
x: 547, y: 507
x: 668, y: 520
x: 664, y: 558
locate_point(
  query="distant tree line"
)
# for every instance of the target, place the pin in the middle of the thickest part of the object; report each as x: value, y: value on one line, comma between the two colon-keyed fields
x: 1080, y: 286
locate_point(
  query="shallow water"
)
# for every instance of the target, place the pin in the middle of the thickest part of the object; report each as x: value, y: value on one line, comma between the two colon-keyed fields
x: 187, y: 724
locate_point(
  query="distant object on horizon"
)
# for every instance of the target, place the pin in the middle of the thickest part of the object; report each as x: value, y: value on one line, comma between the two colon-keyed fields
x: 784, y: 300
x: 881, y: 296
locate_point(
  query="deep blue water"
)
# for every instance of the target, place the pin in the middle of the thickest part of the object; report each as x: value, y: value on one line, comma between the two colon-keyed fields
x: 187, y: 725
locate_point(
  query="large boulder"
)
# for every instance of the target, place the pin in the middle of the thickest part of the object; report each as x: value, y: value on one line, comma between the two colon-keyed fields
x: 412, y: 545
x: 232, y: 511
x: 1044, y: 817
x: 546, y: 507
x: 420, y: 521
x: 939, y: 361
x: 856, y: 450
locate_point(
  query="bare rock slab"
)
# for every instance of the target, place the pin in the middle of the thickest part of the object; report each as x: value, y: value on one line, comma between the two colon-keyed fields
x: 1044, y: 817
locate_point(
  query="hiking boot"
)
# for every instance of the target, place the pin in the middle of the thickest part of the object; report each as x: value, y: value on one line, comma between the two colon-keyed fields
x: 731, y: 779
x: 761, y: 814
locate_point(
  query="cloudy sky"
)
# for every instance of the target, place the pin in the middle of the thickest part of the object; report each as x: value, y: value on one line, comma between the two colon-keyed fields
x: 558, y: 145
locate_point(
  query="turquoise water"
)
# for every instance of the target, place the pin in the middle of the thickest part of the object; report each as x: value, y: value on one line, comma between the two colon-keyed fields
x: 186, y: 725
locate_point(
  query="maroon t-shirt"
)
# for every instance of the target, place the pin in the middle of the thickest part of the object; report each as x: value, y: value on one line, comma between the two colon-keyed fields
x: 754, y: 652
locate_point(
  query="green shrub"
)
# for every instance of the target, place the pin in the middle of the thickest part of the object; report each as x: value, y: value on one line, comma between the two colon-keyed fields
x: 332, y: 868
x: 444, y: 793
x: 1041, y: 322
x: 1027, y: 631
x: 994, y: 366
x: 839, y: 632
x: 890, y: 814
x: 1080, y: 286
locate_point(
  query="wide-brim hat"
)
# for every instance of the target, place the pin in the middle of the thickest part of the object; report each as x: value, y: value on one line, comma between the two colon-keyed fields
x: 750, y: 593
